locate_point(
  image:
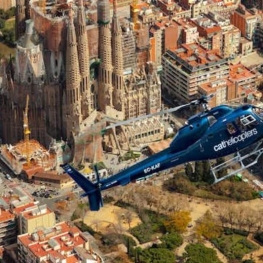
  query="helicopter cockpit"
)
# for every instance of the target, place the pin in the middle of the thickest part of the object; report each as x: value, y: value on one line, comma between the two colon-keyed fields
x: 259, y: 112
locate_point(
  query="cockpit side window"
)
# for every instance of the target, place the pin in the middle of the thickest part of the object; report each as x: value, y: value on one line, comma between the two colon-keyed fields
x: 231, y: 128
x: 211, y: 120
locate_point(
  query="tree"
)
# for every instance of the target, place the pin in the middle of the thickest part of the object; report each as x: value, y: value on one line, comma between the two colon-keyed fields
x: 180, y: 184
x: 259, y: 237
x: 150, y: 196
x: 230, y: 216
x: 199, y: 171
x: 178, y: 221
x: 198, y: 253
x: 156, y: 255
x: 175, y: 203
x: 80, y: 211
x: 207, y: 174
x: 10, y: 12
x: 189, y: 170
x: 9, y: 36
x: 128, y: 215
x: 235, y: 190
x: 223, y: 171
x: 207, y: 227
x: 120, y: 258
x: 259, y: 223
x: 240, y: 216
x: 3, y: 14
x: 171, y: 241
x: 250, y: 218
x: 2, y: 23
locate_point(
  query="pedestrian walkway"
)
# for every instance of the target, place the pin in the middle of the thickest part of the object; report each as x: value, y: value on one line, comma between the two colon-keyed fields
x: 219, y: 254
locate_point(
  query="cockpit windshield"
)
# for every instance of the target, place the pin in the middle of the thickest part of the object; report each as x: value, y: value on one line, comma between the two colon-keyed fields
x: 258, y: 112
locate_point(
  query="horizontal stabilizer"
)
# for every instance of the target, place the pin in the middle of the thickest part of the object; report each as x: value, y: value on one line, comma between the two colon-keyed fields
x: 91, y: 190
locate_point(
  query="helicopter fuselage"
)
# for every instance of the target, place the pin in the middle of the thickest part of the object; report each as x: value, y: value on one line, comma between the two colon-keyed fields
x: 209, y: 135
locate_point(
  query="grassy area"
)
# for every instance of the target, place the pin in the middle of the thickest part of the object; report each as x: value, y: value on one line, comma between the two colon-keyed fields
x: 5, y: 50
x: 234, y: 246
x: 10, y: 23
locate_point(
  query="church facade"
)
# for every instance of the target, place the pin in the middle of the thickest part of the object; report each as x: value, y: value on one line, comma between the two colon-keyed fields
x: 75, y: 62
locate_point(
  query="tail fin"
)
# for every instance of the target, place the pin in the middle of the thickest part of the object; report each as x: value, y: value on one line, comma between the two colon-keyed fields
x: 91, y: 190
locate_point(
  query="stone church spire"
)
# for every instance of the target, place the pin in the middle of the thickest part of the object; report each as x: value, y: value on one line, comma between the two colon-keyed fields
x: 20, y: 19
x: 105, y: 55
x: 71, y: 100
x: 83, y: 55
x: 27, y: 9
x: 117, y: 59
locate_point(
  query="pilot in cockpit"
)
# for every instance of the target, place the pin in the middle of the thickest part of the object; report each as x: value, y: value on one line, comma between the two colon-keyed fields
x: 231, y: 128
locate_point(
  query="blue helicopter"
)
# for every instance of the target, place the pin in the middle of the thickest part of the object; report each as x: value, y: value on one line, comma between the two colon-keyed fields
x: 213, y: 133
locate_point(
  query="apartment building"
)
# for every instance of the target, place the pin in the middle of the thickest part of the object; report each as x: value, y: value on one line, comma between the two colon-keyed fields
x: 209, y: 30
x: 166, y: 6
x: 223, y: 89
x: 60, y: 243
x: 230, y: 38
x: 245, y: 21
x: 8, y: 230
x: 19, y: 214
x: 169, y: 31
x: 156, y: 45
x: 189, y: 30
x: 185, y: 68
x: 33, y: 217
x: 244, y: 77
x: 245, y: 46
x: 258, y: 40
x: 149, y: 14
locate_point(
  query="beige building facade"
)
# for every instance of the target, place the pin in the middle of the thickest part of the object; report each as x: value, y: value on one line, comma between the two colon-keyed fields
x: 189, y: 66
x: 35, y: 217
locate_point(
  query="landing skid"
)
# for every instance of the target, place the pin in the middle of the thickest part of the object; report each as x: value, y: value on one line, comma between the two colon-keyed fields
x: 251, y: 157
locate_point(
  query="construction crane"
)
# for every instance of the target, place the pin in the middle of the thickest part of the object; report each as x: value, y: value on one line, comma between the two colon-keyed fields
x: 26, y: 129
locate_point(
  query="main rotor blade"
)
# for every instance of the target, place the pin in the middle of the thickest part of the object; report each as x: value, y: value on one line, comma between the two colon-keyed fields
x: 146, y: 116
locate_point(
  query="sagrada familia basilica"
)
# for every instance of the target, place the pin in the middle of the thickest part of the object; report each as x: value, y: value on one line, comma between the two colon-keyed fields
x: 80, y: 66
